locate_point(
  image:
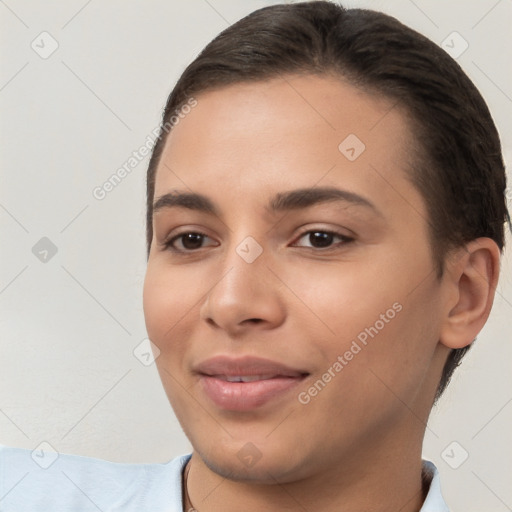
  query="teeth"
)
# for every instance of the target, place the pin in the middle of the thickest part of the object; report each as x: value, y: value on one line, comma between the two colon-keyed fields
x: 247, y: 378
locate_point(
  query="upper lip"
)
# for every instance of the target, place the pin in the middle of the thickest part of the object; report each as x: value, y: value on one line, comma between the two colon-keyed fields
x: 245, y: 366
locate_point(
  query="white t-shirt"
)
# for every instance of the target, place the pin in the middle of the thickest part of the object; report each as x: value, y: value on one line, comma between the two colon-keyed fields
x: 43, y: 481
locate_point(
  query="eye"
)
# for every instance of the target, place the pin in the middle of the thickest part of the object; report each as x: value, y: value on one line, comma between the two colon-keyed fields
x: 321, y: 239
x: 190, y: 241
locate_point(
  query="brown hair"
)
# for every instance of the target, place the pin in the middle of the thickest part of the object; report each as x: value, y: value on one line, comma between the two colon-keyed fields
x: 459, y: 170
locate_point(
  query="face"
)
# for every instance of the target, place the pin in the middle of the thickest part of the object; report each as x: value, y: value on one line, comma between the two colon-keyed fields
x: 324, y: 299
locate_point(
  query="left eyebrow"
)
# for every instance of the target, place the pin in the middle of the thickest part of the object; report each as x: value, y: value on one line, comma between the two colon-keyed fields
x: 283, y: 201
x: 306, y: 197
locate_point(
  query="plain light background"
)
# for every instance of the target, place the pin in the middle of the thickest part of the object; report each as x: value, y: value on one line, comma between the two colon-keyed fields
x: 69, y: 326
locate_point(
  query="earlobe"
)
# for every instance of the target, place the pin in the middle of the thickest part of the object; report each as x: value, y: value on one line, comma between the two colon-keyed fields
x: 473, y: 275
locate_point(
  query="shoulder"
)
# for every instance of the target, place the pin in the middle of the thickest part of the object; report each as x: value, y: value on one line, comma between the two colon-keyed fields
x: 40, y: 480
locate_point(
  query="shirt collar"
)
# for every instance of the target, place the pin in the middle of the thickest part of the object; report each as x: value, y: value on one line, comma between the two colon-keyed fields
x: 434, y: 502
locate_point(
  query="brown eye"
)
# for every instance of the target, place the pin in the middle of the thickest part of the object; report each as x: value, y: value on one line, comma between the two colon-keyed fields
x: 320, y: 239
x: 190, y: 241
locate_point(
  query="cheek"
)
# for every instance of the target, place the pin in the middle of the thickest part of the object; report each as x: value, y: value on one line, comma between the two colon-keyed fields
x: 377, y: 324
x: 398, y: 348
x: 342, y: 299
x: 168, y: 302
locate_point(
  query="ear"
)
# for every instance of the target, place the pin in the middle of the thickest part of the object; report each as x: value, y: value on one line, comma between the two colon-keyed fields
x: 471, y: 278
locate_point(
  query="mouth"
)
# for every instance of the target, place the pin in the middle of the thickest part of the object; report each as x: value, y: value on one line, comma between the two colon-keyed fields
x: 245, y: 378
x: 244, y: 384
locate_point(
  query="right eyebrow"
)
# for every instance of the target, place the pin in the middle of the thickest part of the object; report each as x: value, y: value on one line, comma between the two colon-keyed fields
x: 190, y: 200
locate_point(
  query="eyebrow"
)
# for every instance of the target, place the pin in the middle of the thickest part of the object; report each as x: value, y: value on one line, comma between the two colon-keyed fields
x: 283, y: 201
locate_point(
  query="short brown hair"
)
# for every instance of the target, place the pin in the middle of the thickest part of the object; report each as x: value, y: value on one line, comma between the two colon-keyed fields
x: 459, y: 170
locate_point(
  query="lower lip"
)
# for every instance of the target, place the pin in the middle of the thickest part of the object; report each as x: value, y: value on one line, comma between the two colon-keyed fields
x: 244, y: 396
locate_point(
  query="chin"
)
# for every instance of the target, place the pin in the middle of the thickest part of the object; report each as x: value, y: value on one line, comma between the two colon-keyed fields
x: 235, y: 472
x: 261, y: 473
x: 259, y: 463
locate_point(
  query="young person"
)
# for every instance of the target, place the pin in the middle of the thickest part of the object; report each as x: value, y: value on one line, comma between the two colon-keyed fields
x: 325, y: 216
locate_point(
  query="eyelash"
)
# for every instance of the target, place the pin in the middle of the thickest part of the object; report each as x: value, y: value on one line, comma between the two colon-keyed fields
x: 168, y: 244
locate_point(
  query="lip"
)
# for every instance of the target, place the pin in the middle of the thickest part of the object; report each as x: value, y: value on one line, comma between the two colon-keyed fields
x: 278, y: 380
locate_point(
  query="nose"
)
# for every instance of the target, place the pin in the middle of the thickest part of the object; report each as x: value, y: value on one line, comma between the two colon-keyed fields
x: 246, y: 295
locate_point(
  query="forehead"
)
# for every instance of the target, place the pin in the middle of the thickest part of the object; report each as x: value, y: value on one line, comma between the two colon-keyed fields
x: 258, y: 138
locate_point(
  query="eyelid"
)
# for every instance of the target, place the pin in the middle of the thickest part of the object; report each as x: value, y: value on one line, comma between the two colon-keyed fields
x: 346, y: 238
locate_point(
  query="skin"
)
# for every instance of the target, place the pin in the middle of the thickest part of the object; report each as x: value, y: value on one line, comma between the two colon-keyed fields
x: 356, y: 446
